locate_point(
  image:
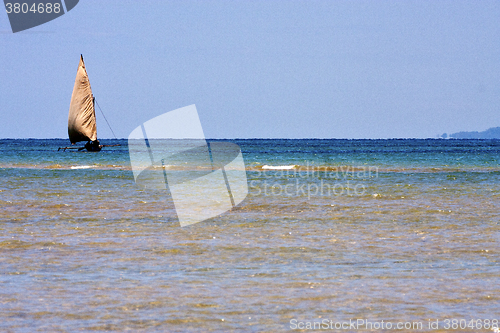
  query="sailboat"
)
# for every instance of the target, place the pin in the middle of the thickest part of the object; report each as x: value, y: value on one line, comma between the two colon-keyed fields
x: 81, y: 118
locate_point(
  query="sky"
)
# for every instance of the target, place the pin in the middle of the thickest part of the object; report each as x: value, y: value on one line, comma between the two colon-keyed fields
x: 260, y: 69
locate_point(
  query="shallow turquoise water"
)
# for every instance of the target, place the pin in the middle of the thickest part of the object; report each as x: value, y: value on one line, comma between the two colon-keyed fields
x: 410, y: 232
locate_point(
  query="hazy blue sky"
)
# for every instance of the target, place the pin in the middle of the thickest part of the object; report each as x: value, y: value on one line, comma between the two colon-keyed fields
x: 279, y: 69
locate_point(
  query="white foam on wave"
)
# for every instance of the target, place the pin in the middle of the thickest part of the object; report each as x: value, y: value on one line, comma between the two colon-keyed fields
x: 82, y: 167
x: 278, y: 167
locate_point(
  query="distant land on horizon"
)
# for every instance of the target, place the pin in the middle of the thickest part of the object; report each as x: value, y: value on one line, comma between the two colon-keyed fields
x: 490, y: 133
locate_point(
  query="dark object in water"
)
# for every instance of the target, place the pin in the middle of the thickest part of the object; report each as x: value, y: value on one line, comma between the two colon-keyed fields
x: 93, y: 146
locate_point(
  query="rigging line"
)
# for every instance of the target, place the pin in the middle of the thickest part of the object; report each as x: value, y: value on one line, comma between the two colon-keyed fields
x: 105, y: 119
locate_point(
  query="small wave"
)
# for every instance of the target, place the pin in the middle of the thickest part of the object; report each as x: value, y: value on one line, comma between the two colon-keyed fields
x: 278, y: 167
x: 81, y: 167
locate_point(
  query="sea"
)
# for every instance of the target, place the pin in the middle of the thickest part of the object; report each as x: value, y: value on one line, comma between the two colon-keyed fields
x: 333, y: 235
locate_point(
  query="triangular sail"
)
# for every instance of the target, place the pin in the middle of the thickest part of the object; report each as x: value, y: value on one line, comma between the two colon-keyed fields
x: 81, y: 119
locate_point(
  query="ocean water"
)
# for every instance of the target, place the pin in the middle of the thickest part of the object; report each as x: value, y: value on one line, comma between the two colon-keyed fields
x: 399, y: 231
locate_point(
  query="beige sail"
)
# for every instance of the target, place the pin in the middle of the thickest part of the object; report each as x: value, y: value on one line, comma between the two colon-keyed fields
x: 81, y: 119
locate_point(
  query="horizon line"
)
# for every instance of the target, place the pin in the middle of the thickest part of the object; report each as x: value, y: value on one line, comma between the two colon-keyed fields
x: 306, y: 138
